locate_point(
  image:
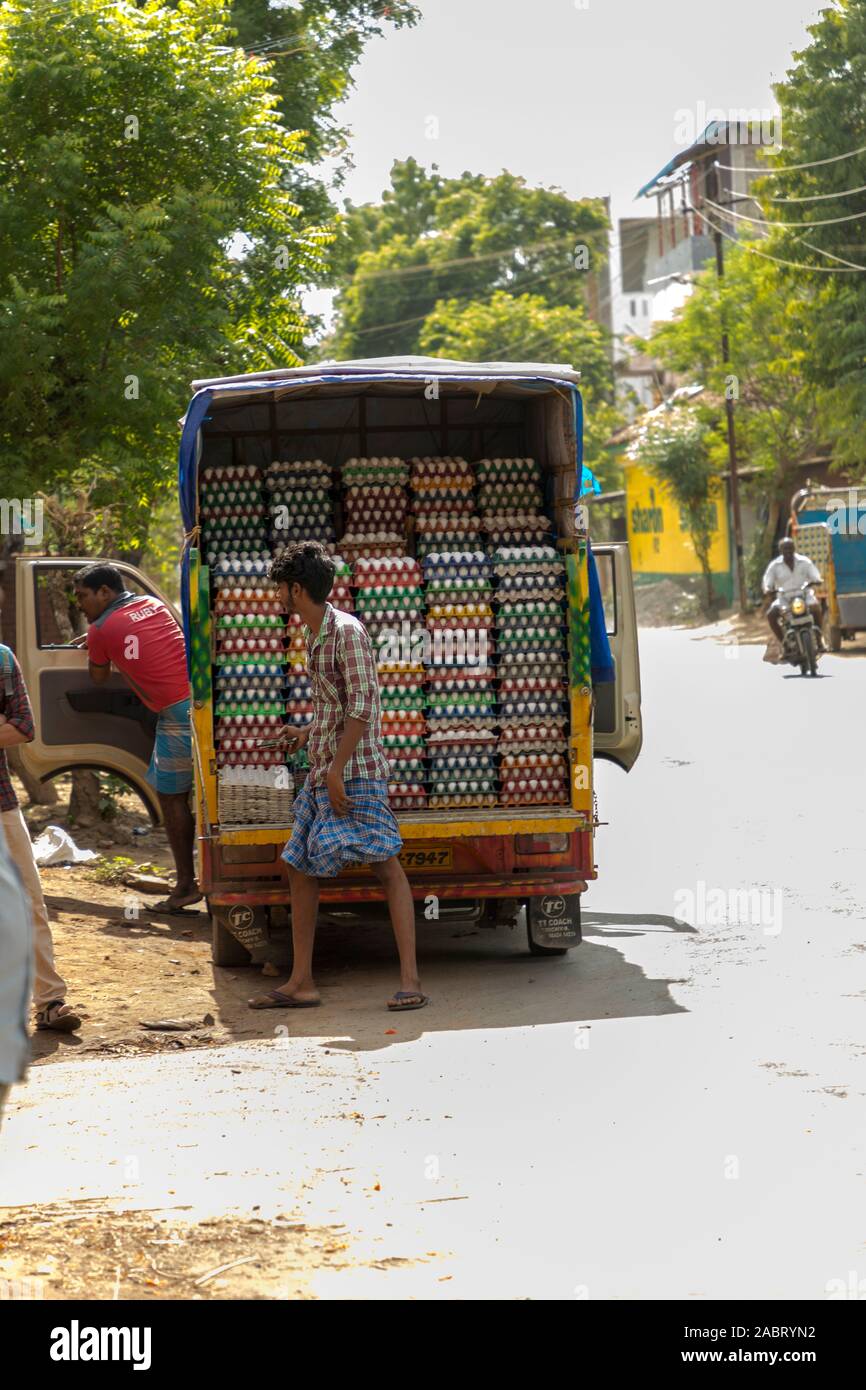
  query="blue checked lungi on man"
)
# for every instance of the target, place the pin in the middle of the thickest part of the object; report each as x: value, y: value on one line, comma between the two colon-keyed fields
x: 323, y: 843
x: 170, y: 768
x: 344, y: 684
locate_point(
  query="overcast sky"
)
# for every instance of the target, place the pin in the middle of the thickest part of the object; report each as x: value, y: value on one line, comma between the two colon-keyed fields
x: 592, y: 96
x: 589, y: 95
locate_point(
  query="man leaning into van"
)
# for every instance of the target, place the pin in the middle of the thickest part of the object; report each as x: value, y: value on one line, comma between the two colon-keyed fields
x: 138, y: 635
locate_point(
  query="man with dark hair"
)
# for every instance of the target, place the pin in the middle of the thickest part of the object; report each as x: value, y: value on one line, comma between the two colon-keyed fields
x: 138, y: 634
x: 341, y: 815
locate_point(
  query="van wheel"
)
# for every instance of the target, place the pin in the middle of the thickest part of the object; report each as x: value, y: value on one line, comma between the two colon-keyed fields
x: 225, y: 947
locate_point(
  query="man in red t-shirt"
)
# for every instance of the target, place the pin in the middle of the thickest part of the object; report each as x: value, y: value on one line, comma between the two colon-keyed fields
x: 139, y: 636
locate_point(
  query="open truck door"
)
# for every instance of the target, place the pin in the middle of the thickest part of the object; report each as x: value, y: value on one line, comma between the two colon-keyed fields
x: 617, y: 728
x: 78, y: 724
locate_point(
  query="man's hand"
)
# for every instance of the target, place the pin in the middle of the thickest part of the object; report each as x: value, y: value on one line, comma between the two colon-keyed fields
x: 336, y: 791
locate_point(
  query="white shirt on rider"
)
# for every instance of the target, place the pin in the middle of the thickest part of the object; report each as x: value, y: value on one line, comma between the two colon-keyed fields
x: 780, y: 575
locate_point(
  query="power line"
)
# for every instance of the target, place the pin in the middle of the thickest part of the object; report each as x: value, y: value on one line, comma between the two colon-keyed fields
x: 817, y: 197
x: 765, y: 255
x: 791, y: 168
x: 768, y: 222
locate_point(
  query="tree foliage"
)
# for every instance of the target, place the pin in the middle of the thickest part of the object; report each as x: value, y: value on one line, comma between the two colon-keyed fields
x: 526, y: 327
x: 824, y: 119
x: 146, y: 237
x: 314, y: 46
x: 777, y: 405
x: 674, y: 447
x: 460, y: 239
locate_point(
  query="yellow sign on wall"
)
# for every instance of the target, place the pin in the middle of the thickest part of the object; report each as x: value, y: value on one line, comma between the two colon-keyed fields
x: 658, y: 538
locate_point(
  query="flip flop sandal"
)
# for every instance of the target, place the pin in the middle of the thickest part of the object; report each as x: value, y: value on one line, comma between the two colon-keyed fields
x: 60, y: 1023
x: 281, y: 1001
x: 423, y: 1000
x: 169, y: 909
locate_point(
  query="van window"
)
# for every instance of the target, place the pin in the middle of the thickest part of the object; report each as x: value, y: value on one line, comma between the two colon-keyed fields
x: 58, y: 617
x: 607, y: 584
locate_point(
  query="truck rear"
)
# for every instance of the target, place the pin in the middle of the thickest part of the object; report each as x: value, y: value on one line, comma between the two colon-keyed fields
x: 447, y: 490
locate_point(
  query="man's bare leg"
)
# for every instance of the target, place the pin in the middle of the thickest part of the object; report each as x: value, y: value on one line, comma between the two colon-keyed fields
x: 180, y: 831
x: 305, y: 912
x: 401, y: 906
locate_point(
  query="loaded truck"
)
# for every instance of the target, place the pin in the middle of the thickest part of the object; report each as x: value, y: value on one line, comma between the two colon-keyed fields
x: 490, y: 433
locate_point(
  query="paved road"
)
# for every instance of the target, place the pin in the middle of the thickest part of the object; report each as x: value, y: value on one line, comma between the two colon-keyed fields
x: 676, y: 1110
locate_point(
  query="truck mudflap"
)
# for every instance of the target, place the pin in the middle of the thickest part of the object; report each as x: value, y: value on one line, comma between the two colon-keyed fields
x: 554, y: 919
x: 248, y: 925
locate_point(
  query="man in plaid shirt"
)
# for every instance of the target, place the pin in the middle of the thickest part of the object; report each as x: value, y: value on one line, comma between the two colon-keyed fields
x: 341, y: 816
x: 16, y: 727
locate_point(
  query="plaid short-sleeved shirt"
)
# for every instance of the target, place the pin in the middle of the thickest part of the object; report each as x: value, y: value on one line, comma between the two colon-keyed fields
x: 345, y: 685
x: 16, y: 707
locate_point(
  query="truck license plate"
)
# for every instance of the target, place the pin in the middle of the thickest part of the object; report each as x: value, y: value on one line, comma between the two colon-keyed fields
x: 437, y: 857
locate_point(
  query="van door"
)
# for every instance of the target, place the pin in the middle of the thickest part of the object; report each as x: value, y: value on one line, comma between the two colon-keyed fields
x: 77, y: 724
x: 617, y: 727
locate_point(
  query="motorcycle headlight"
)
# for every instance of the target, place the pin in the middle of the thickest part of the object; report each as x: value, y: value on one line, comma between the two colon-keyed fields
x: 798, y: 606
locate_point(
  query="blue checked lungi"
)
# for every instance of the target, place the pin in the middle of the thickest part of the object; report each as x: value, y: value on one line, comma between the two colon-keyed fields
x: 170, y: 768
x: 323, y: 843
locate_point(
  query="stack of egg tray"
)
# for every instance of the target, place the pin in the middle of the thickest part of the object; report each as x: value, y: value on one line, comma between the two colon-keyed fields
x: 255, y: 796
x: 299, y: 502
x: 299, y: 702
x: 532, y: 675
x: 443, y: 504
x: 374, y: 507
x: 389, y: 600
x: 511, y: 502
x: 249, y: 681
x: 461, y: 711
x: 341, y: 594
x: 299, y: 693
x: 233, y: 515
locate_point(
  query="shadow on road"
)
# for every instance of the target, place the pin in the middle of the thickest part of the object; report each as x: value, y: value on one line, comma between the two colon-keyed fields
x: 476, y: 978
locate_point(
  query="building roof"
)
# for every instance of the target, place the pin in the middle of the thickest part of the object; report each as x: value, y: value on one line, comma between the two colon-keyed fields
x: 717, y: 134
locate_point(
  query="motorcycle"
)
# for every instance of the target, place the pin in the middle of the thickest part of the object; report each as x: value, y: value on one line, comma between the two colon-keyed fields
x: 799, y: 631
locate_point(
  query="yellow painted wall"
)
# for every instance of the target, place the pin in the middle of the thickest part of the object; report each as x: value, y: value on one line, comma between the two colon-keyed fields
x: 659, y: 544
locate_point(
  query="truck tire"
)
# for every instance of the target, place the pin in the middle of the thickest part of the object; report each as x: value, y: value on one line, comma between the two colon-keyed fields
x: 226, y: 949
x: 809, y: 667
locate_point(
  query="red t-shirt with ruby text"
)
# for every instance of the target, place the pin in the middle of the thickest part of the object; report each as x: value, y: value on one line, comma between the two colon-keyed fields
x: 139, y: 635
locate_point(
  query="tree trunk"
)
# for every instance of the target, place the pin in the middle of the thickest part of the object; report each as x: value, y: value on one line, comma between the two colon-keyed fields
x: 38, y: 793
x: 84, y: 798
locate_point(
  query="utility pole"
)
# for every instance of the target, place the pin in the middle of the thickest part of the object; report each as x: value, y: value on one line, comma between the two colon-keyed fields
x: 736, y: 518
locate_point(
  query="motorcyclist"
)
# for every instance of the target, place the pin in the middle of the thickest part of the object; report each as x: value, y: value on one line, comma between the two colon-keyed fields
x: 785, y: 576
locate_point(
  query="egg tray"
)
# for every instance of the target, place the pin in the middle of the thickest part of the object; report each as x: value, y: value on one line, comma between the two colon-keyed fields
x: 226, y: 524
x: 504, y: 531
x: 402, y: 742
x: 535, y: 799
x: 441, y: 803
x: 229, y: 472
x: 506, y: 469
x: 284, y: 536
x: 240, y: 565
x: 467, y: 683
x: 462, y: 738
x: 374, y: 467
x: 531, y: 738
x: 438, y: 465
x: 362, y: 547
x: 301, y: 470
x: 229, y: 708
